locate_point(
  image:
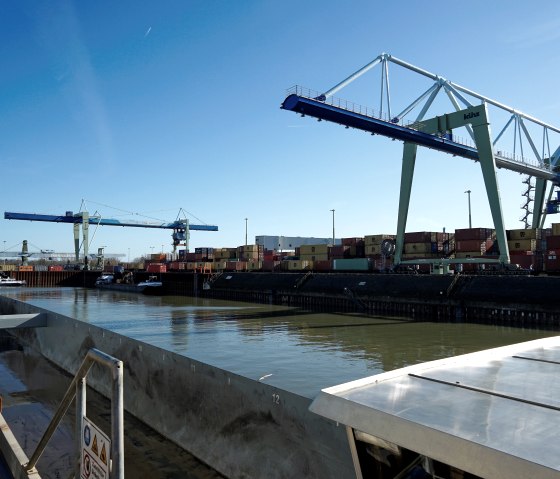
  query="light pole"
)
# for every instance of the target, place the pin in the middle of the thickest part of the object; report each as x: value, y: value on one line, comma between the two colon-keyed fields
x: 333, y: 240
x: 129, y: 255
x: 152, y: 248
x: 468, y: 192
x: 246, y: 231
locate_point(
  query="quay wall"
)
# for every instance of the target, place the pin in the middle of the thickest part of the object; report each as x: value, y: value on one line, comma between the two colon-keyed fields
x: 174, y: 283
x: 515, y: 299
x: 239, y: 426
x: 510, y: 299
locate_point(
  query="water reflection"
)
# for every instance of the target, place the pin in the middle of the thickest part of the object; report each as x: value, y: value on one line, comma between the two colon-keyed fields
x: 293, y: 349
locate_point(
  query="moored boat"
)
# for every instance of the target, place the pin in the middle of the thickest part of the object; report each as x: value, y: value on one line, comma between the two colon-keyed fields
x: 6, y: 280
x: 151, y: 286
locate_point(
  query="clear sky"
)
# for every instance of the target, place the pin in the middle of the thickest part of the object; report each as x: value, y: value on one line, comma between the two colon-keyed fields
x: 148, y: 107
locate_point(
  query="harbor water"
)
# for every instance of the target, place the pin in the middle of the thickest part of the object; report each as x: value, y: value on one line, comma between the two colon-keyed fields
x: 292, y: 349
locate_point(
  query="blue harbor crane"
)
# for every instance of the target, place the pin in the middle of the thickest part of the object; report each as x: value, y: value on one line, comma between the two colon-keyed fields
x: 437, y: 133
x: 180, y: 227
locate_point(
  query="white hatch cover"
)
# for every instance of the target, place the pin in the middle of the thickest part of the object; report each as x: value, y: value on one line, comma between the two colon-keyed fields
x: 494, y: 413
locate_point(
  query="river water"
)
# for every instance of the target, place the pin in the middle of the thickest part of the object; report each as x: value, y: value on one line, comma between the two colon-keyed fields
x: 291, y: 349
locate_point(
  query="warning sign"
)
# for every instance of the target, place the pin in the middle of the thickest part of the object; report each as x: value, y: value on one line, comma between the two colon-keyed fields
x: 96, y: 448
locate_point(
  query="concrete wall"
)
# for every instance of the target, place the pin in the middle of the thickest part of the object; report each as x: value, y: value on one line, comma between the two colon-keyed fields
x: 239, y: 426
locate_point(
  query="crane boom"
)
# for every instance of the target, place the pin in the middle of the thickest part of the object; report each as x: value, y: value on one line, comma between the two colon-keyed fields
x: 97, y: 220
x: 180, y: 228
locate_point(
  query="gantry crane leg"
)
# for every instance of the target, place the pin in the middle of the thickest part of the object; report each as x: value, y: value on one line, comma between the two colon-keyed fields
x: 488, y: 165
x: 538, y: 202
x: 407, y: 173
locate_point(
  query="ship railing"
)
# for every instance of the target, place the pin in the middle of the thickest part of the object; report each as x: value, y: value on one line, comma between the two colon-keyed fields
x: 77, y: 389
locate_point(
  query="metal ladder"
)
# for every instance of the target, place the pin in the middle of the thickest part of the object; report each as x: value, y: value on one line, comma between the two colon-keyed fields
x: 22, y: 468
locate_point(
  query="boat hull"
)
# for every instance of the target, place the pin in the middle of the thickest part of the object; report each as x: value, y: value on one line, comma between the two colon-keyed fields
x: 131, y: 288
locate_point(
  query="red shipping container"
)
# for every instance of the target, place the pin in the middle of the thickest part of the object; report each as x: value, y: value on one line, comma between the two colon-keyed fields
x: 553, y: 242
x: 418, y: 237
x: 322, y: 265
x: 338, y: 252
x: 351, y: 241
x: 56, y: 268
x: 156, y: 268
x: 523, y: 260
x: 552, y: 264
x: 269, y: 265
x: 474, y: 233
x: 471, y: 245
x: 236, y: 265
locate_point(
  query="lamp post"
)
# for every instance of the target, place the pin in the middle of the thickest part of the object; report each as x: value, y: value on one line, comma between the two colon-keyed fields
x: 129, y: 255
x: 468, y: 192
x: 333, y: 240
x: 152, y: 248
x: 246, y: 231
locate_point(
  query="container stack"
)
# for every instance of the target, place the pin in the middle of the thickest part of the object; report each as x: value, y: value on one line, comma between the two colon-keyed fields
x: 474, y: 242
x: 339, y: 252
x: 552, y: 250
x: 271, y: 260
x: 356, y: 247
x: 204, y: 254
x: 419, y: 245
x: 176, y: 266
x: 252, y: 252
x: 524, y: 247
x: 428, y: 245
x: 314, y: 252
x: 372, y: 251
x: 225, y: 254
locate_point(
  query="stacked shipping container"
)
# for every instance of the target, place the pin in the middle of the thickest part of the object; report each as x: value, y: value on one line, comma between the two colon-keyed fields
x: 372, y: 250
x: 552, y: 249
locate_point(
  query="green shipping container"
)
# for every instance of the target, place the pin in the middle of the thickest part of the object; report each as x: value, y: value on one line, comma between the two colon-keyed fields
x: 351, y: 264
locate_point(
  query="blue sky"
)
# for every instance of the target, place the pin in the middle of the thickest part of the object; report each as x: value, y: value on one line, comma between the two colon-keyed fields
x: 150, y: 107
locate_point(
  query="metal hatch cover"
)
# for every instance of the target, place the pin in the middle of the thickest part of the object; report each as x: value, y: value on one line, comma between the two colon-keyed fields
x: 494, y: 413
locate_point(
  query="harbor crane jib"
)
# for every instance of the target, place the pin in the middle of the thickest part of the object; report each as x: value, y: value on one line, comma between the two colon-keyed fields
x: 471, y: 112
x: 180, y: 227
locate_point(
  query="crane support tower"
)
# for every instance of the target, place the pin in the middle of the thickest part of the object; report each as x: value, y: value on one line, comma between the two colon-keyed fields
x: 180, y: 228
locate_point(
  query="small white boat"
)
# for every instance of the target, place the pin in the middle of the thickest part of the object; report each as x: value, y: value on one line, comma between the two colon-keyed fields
x: 151, y: 286
x: 5, y: 280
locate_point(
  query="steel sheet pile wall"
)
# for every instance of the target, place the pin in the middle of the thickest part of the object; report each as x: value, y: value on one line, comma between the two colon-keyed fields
x: 513, y: 299
x: 239, y: 426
